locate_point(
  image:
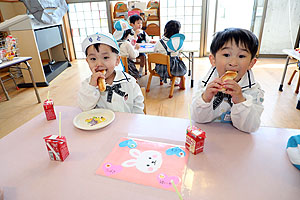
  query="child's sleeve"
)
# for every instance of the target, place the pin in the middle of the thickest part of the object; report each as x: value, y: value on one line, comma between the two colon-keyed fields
x: 138, y: 100
x: 147, y: 38
x: 158, y: 48
x: 88, y: 96
x: 202, y: 112
x: 246, y: 116
x: 133, y: 53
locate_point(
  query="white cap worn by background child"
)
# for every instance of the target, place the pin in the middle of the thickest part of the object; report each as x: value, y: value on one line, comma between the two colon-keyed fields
x: 121, y: 26
x: 100, y: 38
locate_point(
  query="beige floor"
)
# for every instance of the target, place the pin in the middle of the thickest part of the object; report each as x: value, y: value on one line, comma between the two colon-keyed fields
x: 280, y: 107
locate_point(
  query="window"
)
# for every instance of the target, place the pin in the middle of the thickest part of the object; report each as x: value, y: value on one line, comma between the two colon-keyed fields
x: 86, y: 19
x: 188, y: 13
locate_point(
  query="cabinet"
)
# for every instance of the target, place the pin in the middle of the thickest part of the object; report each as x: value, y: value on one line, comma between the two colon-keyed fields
x: 41, y: 42
x: 150, y: 12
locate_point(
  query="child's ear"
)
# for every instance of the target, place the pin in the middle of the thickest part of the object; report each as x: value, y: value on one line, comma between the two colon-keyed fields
x: 118, y: 60
x: 252, y: 63
x: 212, y: 60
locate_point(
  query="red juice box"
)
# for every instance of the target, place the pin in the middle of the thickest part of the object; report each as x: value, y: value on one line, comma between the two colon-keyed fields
x: 195, y: 139
x: 49, y: 110
x: 57, y: 147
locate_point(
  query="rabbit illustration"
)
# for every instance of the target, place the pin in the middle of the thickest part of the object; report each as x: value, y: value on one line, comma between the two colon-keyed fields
x: 147, y: 161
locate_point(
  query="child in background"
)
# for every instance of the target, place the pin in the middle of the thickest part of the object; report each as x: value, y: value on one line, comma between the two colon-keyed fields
x: 124, y: 36
x: 136, y: 21
x: 122, y: 93
x: 166, y: 44
x: 232, y: 49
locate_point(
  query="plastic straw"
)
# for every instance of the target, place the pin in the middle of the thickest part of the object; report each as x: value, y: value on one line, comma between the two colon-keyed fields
x: 59, y: 121
x: 48, y: 95
x: 176, y: 190
x: 190, y: 116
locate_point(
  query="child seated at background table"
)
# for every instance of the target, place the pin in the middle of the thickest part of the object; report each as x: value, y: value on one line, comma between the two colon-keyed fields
x: 128, y: 48
x: 166, y: 44
x: 136, y: 21
x: 122, y: 93
x: 240, y: 103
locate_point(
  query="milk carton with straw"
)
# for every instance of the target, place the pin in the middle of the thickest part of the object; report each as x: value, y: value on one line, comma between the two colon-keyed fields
x: 194, y: 137
x: 57, y: 145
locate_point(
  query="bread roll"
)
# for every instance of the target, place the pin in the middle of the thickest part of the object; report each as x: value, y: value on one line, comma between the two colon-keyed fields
x: 229, y: 75
x: 101, y: 82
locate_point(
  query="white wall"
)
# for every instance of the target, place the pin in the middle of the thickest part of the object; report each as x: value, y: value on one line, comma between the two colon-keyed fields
x: 281, y: 26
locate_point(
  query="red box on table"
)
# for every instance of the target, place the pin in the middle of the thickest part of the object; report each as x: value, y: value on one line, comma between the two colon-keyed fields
x: 49, y: 110
x: 57, y: 147
x: 195, y: 139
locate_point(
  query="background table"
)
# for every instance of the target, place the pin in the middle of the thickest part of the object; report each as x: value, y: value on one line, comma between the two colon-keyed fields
x: 187, y: 48
x: 16, y: 61
x: 234, y: 165
x: 291, y: 53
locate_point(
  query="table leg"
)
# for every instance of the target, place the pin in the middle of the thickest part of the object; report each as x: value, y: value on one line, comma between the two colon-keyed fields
x: 33, y: 81
x: 284, y: 72
x: 5, y: 92
x: 192, y: 79
x: 189, y: 65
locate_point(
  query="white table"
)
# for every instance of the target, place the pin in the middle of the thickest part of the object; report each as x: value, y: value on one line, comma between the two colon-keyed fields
x: 16, y: 61
x: 234, y: 165
x: 291, y: 53
x: 187, y: 48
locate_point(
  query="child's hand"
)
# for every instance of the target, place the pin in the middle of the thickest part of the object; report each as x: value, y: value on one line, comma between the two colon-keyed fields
x: 137, y: 46
x: 234, y: 89
x: 94, y: 78
x: 212, y: 89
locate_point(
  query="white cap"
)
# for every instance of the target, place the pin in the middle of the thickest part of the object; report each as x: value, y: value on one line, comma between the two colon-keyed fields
x: 121, y: 26
x: 100, y: 38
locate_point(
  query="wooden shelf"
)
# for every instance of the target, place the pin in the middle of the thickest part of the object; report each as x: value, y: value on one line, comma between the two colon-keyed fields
x: 152, y: 23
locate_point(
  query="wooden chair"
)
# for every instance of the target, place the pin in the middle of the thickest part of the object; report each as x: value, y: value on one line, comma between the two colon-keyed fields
x: 158, y: 58
x: 125, y: 63
x: 290, y: 81
x: 6, y: 76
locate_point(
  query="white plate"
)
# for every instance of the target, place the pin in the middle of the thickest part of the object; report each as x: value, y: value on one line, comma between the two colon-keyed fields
x: 102, y: 118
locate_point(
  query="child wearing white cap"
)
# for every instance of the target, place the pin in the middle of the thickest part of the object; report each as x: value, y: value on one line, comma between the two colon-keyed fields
x: 128, y: 47
x: 170, y: 44
x: 122, y: 93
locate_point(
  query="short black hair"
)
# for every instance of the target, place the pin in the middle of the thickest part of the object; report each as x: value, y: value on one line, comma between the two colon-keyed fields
x: 134, y: 18
x: 171, y: 28
x: 126, y: 33
x: 240, y: 36
x: 97, y: 48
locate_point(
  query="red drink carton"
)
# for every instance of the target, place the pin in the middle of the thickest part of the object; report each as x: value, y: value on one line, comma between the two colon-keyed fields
x: 49, y: 110
x: 195, y: 139
x: 57, y: 147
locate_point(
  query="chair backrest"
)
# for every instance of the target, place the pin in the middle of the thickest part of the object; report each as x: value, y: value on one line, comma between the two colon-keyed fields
x: 125, y: 63
x: 159, y: 58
